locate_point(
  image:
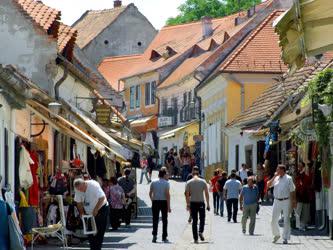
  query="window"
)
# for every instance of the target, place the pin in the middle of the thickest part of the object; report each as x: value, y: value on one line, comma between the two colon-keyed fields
x: 164, y: 106
x: 153, y: 92
x: 137, y: 96
x: 184, y: 99
x: 147, y: 93
x: 132, y: 97
x: 150, y: 92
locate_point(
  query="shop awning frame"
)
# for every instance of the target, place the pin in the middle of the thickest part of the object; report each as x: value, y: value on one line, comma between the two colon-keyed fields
x: 172, y: 133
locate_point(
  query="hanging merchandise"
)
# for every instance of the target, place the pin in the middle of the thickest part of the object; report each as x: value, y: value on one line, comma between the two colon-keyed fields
x: 15, y: 235
x: 273, y: 136
x: 25, y: 174
x: 73, y: 221
x: 58, y: 184
x: 34, y: 189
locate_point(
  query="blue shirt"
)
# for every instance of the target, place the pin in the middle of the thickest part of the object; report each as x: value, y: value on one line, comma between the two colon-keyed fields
x: 4, y: 234
x: 250, y: 195
x: 233, y: 187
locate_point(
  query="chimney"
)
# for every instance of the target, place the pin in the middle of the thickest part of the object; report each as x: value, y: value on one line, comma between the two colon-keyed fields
x: 117, y: 3
x: 207, y: 26
x: 251, y: 12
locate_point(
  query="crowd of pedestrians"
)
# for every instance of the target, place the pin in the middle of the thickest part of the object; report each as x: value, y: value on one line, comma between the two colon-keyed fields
x: 241, y: 189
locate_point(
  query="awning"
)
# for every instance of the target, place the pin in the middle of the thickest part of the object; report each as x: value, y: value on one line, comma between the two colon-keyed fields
x: 115, y: 147
x: 142, y: 125
x: 62, y: 125
x: 172, y: 133
x: 305, y: 30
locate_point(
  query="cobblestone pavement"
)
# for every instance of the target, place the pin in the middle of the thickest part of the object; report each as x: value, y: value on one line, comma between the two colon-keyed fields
x: 219, y: 233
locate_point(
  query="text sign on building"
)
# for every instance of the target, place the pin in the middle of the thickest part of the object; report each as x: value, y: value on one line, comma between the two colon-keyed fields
x: 164, y: 121
x: 103, y: 114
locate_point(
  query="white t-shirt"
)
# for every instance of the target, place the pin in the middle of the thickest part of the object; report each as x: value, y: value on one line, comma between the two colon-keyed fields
x: 242, y: 174
x: 90, y: 198
x: 283, y: 186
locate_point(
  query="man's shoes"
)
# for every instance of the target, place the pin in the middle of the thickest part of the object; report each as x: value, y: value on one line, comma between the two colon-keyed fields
x: 229, y: 219
x: 221, y: 215
x: 285, y: 242
x: 196, y: 242
x: 202, y: 238
x: 244, y: 231
x: 235, y: 221
x: 189, y: 219
x: 275, y: 239
x: 251, y: 234
x: 154, y: 239
x: 165, y: 240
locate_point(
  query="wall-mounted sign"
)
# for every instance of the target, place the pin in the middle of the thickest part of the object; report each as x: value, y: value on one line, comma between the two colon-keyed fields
x: 164, y: 121
x: 103, y: 114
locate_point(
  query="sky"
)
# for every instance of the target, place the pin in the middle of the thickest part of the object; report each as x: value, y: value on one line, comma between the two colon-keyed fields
x: 157, y: 11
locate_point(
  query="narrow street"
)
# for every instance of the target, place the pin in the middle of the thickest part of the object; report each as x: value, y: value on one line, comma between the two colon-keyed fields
x: 218, y: 232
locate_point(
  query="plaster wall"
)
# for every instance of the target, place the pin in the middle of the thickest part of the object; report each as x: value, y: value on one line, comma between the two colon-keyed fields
x: 26, y: 46
x: 130, y: 33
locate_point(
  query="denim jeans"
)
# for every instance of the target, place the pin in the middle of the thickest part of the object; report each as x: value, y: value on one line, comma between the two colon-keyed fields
x: 232, y: 207
x: 216, y: 201
x: 144, y: 173
x: 221, y: 203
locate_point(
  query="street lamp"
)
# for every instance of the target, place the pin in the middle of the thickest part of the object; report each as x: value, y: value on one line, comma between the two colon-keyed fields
x: 55, y: 107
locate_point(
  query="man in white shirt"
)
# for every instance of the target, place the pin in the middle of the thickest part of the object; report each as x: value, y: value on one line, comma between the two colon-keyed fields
x: 91, y: 200
x: 284, y: 198
x: 243, y: 172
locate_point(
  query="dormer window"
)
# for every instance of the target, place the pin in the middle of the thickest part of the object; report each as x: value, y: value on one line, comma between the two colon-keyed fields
x: 154, y: 55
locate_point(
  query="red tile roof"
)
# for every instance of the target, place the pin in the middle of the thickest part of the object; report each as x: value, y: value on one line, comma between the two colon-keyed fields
x: 259, y: 53
x: 113, y: 68
x: 93, y: 22
x: 271, y: 99
x: 181, y: 38
x: 48, y: 19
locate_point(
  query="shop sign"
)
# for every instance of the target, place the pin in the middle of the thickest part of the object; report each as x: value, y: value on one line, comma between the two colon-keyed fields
x: 103, y: 114
x: 164, y: 121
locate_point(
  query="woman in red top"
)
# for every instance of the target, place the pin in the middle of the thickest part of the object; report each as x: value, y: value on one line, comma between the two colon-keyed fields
x: 216, y: 197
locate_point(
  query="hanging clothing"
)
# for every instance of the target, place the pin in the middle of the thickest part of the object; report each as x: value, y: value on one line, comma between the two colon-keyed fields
x: 25, y: 174
x: 4, y: 231
x: 34, y: 189
x: 9, y: 197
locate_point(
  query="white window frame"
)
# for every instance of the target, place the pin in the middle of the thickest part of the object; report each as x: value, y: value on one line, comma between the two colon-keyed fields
x: 152, y: 93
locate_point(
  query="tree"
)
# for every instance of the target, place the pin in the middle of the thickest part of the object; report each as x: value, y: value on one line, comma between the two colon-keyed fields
x: 194, y: 10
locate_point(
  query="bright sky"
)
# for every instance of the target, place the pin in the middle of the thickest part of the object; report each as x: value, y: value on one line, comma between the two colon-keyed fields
x: 157, y: 11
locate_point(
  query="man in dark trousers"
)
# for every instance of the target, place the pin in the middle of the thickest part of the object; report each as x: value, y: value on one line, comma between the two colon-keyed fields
x: 160, y: 196
x: 232, y: 189
x: 194, y: 192
x: 91, y: 199
x: 129, y: 188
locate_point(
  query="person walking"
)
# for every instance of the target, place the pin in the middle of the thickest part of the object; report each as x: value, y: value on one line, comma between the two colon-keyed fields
x: 91, y: 200
x: 117, y: 202
x: 144, y: 169
x: 243, y: 172
x: 232, y: 189
x: 216, y: 197
x: 303, y: 194
x: 284, y: 196
x: 219, y: 186
x: 160, y: 196
x: 248, y: 204
x: 186, y: 163
x: 261, y: 181
x: 195, y: 190
x: 129, y: 188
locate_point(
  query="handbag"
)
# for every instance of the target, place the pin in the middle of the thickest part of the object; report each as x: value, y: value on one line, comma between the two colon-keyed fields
x: 16, y: 241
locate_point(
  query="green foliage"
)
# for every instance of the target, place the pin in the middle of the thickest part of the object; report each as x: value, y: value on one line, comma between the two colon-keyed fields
x: 321, y: 92
x: 194, y: 10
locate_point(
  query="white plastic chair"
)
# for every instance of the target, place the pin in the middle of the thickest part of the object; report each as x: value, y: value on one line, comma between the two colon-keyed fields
x: 57, y: 230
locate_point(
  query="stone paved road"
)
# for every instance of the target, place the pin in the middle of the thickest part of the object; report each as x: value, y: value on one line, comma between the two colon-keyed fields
x: 219, y: 233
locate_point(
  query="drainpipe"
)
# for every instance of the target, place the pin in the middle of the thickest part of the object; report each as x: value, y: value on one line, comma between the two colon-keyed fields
x: 59, y: 82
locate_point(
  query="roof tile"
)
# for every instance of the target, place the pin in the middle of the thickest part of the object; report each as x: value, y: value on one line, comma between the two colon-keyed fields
x: 272, y: 98
x: 252, y: 55
x: 93, y: 22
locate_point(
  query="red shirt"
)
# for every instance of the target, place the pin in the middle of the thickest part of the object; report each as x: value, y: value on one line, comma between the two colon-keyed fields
x: 213, y: 182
